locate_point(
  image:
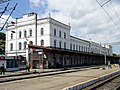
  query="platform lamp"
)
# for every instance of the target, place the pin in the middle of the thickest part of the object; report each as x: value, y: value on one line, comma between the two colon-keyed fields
x: 15, y: 24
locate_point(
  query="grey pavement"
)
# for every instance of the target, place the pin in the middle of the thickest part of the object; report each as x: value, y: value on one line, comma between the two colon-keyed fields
x: 58, y: 81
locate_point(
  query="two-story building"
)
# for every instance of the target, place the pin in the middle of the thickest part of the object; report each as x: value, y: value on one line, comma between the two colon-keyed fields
x: 49, y: 33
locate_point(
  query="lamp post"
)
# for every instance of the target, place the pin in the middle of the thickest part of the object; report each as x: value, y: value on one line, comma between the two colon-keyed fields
x: 27, y: 52
x: 15, y: 23
x: 105, y: 56
x: 90, y: 45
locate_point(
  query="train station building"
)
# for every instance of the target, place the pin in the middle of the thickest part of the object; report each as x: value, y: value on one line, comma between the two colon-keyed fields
x: 48, y: 42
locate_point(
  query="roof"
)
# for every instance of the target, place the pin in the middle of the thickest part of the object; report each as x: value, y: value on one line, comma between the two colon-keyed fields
x: 59, y: 50
x: 80, y: 39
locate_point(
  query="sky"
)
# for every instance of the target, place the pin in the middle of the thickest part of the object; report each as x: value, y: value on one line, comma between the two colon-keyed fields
x: 88, y: 20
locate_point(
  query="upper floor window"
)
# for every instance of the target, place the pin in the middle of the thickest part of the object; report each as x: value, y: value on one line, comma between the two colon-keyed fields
x: 71, y: 46
x: 76, y: 47
x: 55, y: 43
x: 31, y: 43
x: 25, y: 34
x: 59, y: 33
x: 30, y: 32
x: 79, y: 47
x: 11, y: 35
x: 60, y: 44
x: 25, y: 43
x: 65, y: 45
x: 11, y: 47
x: 64, y: 35
x: 42, y: 31
x: 20, y: 45
x: 20, y: 34
x: 42, y: 42
x: 54, y: 32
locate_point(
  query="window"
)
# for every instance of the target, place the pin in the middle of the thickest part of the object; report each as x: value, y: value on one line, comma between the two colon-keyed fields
x: 54, y: 32
x: 42, y: 42
x: 11, y: 47
x: 55, y: 43
x: 30, y: 32
x: 42, y: 32
x: 11, y: 35
x: 84, y: 48
x: 31, y: 43
x: 76, y: 47
x: 25, y: 34
x: 64, y: 35
x: 20, y: 34
x: 71, y: 46
x: 20, y: 46
x: 65, y: 45
x: 59, y: 33
x: 25, y: 43
x: 79, y: 47
x: 60, y: 44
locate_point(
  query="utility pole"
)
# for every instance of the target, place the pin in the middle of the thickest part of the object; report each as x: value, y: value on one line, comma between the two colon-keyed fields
x: 35, y: 29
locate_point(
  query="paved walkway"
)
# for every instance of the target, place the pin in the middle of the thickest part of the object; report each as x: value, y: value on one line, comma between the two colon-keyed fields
x: 23, y: 72
x: 56, y: 82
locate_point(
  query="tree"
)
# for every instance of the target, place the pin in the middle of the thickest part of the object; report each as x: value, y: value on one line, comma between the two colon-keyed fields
x: 2, y: 43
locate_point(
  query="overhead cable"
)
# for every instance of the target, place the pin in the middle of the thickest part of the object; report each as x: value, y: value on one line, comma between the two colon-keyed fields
x: 108, y: 14
x: 8, y: 17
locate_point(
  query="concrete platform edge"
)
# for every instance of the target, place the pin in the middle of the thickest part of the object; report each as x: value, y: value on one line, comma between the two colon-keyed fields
x: 92, y: 81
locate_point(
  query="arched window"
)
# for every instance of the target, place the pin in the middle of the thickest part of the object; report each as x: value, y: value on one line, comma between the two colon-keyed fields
x: 42, y: 31
x: 11, y: 35
x: 64, y: 35
x: 59, y: 33
x: 25, y: 43
x: 20, y: 34
x: 42, y: 42
x: 25, y: 34
x: 54, y: 32
x: 30, y: 32
x: 76, y: 47
x: 55, y: 43
x: 31, y: 43
x: 60, y: 44
x: 65, y: 45
x: 79, y: 47
x: 71, y: 46
x: 11, y: 47
x: 20, y: 45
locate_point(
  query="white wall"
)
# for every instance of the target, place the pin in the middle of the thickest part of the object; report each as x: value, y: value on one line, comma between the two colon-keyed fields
x: 64, y: 29
x: 48, y: 25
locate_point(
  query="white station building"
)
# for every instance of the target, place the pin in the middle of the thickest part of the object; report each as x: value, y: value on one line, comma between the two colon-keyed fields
x: 46, y: 32
x: 29, y: 35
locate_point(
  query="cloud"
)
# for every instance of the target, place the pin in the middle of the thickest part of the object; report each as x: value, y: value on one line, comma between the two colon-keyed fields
x: 87, y: 18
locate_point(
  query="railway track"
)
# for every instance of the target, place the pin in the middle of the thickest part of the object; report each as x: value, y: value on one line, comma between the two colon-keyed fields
x: 112, y: 83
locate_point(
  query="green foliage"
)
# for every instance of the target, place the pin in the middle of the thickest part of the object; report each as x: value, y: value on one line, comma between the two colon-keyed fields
x: 2, y: 43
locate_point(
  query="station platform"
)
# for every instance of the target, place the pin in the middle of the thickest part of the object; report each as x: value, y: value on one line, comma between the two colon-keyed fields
x: 25, y: 72
x: 63, y: 81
